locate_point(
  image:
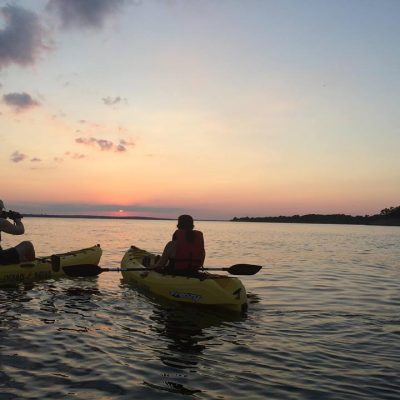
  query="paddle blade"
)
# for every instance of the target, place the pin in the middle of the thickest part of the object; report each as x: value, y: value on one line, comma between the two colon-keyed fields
x: 82, y: 270
x: 243, y: 269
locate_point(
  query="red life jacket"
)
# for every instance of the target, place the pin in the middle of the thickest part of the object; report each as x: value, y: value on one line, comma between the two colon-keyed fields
x: 189, y: 256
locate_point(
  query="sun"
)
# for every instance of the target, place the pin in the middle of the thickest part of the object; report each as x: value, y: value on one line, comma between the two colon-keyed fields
x: 120, y: 211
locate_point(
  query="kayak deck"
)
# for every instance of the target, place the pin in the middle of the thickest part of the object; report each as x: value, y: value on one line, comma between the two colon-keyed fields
x: 207, y: 289
x: 48, y: 267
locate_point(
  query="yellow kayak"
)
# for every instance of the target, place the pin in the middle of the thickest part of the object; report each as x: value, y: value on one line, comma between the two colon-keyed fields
x: 209, y: 289
x: 49, y: 267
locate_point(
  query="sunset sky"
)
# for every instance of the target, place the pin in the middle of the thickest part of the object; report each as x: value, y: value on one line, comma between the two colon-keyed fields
x: 218, y: 108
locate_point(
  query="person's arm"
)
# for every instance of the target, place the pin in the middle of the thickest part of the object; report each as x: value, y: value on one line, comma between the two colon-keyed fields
x: 203, y: 256
x: 17, y: 228
x: 166, y: 255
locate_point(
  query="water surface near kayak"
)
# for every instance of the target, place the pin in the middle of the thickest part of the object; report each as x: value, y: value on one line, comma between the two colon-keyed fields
x: 323, y: 319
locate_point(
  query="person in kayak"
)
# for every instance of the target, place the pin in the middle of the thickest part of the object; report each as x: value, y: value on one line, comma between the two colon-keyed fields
x: 23, y: 251
x: 185, y: 253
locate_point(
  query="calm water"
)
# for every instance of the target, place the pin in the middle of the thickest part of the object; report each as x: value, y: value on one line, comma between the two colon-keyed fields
x: 323, y: 319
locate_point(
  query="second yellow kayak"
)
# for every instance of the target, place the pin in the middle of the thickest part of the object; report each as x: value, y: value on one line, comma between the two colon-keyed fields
x: 49, y: 267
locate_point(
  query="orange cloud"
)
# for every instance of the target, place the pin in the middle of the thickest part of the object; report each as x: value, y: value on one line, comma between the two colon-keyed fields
x: 105, y: 145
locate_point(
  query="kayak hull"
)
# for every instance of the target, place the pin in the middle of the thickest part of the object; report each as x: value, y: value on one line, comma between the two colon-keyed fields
x: 50, y: 267
x: 213, y: 290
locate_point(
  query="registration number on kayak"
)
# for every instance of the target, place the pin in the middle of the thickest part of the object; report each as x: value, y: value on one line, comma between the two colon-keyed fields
x: 185, y: 296
x: 17, y: 277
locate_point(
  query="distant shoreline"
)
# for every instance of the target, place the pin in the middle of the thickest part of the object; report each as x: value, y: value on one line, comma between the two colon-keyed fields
x: 334, y: 219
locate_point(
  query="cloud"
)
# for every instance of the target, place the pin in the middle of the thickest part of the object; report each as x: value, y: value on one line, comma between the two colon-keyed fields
x: 22, y: 39
x: 102, y: 143
x: 75, y: 156
x: 84, y: 13
x: 20, y: 101
x: 123, y: 144
x: 58, y: 115
x: 106, y: 145
x: 126, y: 142
x: 17, y: 157
x: 109, y: 101
x: 120, y: 148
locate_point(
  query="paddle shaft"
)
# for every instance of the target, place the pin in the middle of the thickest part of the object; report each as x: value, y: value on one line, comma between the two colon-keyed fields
x: 93, y: 270
x: 240, y: 269
x: 153, y: 269
x: 101, y: 270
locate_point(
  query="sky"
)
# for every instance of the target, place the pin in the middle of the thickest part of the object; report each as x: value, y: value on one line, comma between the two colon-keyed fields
x: 216, y: 108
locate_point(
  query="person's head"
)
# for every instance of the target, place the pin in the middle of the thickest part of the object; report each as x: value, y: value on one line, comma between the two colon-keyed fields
x: 1, y: 205
x: 185, y: 222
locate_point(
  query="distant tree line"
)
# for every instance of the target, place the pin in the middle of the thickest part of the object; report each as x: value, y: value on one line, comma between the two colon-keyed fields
x: 388, y: 216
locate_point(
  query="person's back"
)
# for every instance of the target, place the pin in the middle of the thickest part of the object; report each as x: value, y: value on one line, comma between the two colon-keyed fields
x: 185, y: 254
x: 189, y: 252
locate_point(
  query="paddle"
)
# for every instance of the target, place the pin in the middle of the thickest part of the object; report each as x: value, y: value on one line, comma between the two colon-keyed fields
x: 94, y: 270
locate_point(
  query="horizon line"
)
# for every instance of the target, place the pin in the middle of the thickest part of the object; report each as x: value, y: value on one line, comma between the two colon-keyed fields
x: 94, y: 216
